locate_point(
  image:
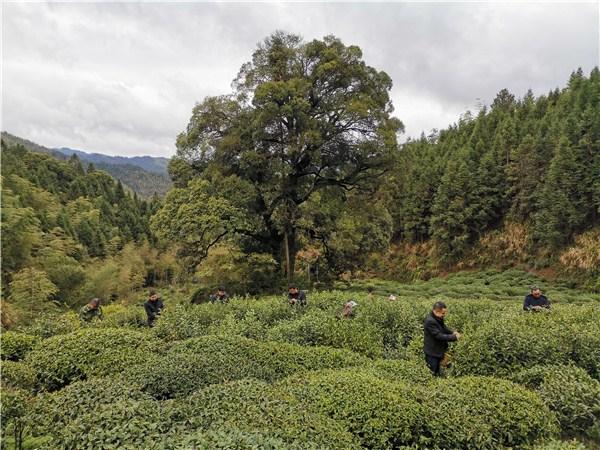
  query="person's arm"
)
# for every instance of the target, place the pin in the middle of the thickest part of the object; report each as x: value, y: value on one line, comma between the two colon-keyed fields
x: 435, y: 331
x: 526, y: 304
x: 100, y: 314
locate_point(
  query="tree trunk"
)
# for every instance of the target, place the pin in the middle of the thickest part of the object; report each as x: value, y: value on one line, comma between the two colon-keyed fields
x: 289, y: 245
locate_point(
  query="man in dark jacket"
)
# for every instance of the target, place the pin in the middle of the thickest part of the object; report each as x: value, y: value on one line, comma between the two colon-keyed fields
x: 535, y: 301
x: 295, y: 296
x: 153, y: 307
x: 220, y: 296
x: 436, y: 337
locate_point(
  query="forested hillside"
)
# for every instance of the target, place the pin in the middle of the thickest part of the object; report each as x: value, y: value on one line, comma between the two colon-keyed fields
x: 57, y: 219
x: 518, y: 182
x: 146, y: 176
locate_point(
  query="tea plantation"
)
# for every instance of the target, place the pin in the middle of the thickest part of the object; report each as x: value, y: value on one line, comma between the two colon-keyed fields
x: 260, y: 374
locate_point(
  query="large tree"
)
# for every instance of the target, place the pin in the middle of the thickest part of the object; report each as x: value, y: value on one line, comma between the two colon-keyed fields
x: 302, y: 117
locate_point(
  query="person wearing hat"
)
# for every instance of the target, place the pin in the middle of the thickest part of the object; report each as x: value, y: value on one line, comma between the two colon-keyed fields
x: 296, y: 296
x: 153, y: 306
x: 348, y: 311
x: 91, y: 311
x: 535, y: 301
x: 436, y: 337
x: 220, y: 296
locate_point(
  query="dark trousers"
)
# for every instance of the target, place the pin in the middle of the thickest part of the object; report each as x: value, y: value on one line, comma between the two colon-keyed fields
x: 433, y: 362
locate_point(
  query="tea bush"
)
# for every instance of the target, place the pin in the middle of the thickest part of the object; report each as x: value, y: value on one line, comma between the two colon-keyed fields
x: 122, y: 316
x: 62, y: 359
x: 483, y: 413
x: 14, y: 346
x: 234, y: 439
x: 49, y: 325
x: 254, y: 406
x: 320, y: 328
x: 568, y: 391
x: 18, y: 375
x: 509, y: 344
x: 382, y: 414
x: 191, y: 364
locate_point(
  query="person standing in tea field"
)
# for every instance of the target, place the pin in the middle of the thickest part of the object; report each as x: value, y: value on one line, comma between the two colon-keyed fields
x: 91, y: 311
x: 296, y: 296
x: 153, y: 306
x: 349, y: 310
x: 436, y: 337
x: 220, y: 296
x: 535, y: 301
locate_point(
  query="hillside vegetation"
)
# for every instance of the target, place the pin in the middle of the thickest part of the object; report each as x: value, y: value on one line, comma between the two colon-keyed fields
x: 258, y: 373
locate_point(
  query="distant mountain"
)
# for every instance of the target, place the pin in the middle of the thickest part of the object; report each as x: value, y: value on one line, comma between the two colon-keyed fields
x: 148, y: 163
x: 144, y: 175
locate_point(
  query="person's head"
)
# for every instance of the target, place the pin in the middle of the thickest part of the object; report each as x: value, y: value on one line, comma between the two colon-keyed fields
x: 94, y: 303
x: 153, y: 295
x: 293, y: 289
x: 221, y: 290
x: 536, y: 291
x: 440, y: 310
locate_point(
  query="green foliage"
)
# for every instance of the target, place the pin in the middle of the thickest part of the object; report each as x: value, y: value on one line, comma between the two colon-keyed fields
x: 250, y: 273
x: 191, y: 364
x: 115, y: 316
x: 560, y: 445
x: 100, y: 413
x: 381, y: 414
x: 47, y: 325
x: 17, y: 375
x: 284, y: 146
x: 568, y: 391
x: 61, y: 359
x: 234, y: 439
x: 401, y: 370
x: 252, y: 406
x: 30, y: 291
x: 512, y: 341
x: 472, y: 412
x: 14, y: 404
x: 321, y: 328
x: 14, y: 346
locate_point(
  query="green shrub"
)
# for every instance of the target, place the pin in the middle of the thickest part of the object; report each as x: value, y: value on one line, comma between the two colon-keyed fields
x: 483, y: 413
x: 249, y: 326
x: 64, y: 358
x: 17, y: 375
x: 381, y: 414
x: 568, y: 391
x: 508, y: 344
x: 60, y: 407
x: 560, y: 445
x: 414, y: 371
x: 323, y: 328
x: 15, y: 405
x: 187, y: 321
x: 254, y: 406
x: 101, y: 413
x: 51, y: 325
x: 14, y: 346
x: 234, y: 439
x: 122, y: 316
x: 197, y: 362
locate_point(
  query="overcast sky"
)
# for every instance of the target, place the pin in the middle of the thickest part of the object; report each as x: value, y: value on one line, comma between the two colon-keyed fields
x: 120, y: 78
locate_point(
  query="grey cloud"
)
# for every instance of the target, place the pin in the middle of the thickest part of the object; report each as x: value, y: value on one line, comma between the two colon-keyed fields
x: 122, y: 78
